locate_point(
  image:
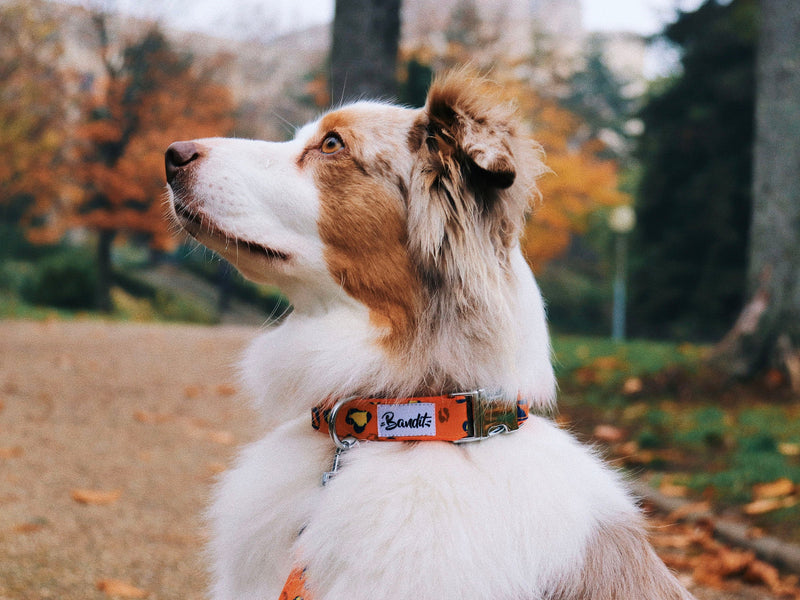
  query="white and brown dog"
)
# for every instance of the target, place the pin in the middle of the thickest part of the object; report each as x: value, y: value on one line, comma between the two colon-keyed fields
x: 394, y: 233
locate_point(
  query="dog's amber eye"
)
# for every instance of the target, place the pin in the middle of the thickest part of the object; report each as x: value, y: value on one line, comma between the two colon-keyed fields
x: 331, y: 144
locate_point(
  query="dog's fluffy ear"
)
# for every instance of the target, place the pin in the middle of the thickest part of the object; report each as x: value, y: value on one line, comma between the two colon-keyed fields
x: 474, y: 174
x: 469, y: 128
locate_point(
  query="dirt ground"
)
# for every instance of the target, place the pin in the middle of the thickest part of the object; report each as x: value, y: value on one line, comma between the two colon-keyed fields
x: 148, y: 412
x: 110, y: 438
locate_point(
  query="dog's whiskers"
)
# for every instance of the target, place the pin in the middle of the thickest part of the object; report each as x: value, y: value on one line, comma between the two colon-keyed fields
x: 288, y: 125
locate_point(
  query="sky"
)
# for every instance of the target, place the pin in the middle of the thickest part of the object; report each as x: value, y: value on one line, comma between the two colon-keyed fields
x: 263, y: 19
x: 645, y: 17
x: 641, y: 16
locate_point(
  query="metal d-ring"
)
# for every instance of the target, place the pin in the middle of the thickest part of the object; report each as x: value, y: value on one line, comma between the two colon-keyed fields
x: 341, y: 445
x: 347, y: 442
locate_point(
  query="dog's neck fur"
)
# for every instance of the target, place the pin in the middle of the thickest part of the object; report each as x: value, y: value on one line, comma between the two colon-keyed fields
x: 466, y: 326
x: 454, y: 351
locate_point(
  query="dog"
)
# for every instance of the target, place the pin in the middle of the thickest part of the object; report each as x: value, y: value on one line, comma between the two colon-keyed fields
x: 416, y: 344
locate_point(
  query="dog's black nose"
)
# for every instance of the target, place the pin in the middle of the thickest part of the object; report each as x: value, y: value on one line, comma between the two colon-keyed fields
x: 179, y: 154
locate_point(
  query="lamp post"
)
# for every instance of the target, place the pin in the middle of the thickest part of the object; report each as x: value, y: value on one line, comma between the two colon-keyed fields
x: 621, y: 220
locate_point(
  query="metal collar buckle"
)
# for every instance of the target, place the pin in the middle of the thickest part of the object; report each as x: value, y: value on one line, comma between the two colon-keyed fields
x: 490, y: 417
x: 342, y: 445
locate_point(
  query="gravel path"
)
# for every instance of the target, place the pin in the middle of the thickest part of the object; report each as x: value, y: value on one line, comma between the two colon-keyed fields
x: 144, y: 412
x: 110, y: 437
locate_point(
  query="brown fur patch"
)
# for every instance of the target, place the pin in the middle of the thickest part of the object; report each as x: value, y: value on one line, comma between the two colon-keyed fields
x: 362, y: 216
x: 620, y: 564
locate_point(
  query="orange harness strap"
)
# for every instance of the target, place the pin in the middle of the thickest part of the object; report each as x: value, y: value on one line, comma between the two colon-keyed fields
x: 463, y: 417
x: 295, y: 587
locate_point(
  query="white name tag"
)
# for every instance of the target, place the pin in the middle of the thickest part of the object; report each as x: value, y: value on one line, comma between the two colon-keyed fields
x: 402, y: 420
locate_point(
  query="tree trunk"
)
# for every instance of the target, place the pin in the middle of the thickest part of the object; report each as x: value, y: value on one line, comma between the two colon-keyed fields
x: 103, y: 292
x: 768, y: 332
x: 366, y: 36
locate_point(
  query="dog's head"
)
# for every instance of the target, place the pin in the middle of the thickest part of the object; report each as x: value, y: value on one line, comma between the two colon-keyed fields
x: 409, y: 212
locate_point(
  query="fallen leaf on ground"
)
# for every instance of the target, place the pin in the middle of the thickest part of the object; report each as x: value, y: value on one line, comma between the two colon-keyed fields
x: 10, y: 452
x: 600, y: 370
x: 31, y: 526
x: 95, y: 497
x: 226, y: 389
x: 198, y: 429
x: 221, y: 437
x: 585, y: 376
x: 632, y: 385
x: 724, y: 563
x: 215, y: 468
x: 224, y: 438
x: 152, y: 418
x: 692, y: 508
x: 692, y: 548
x: 609, y: 363
x: 628, y: 448
x: 774, y: 489
x: 673, y: 540
x: 121, y: 589
x: 774, y: 379
x: 640, y: 457
x: 673, y: 490
x: 789, y: 449
x: 608, y: 434
x: 635, y: 411
x: 765, y: 505
x: 678, y: 561
x: 192, y: 391
x: 730, y: 561
x: 760, y: 572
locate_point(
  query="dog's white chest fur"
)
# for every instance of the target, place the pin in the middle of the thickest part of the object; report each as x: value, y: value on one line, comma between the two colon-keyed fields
x: 504, y: 518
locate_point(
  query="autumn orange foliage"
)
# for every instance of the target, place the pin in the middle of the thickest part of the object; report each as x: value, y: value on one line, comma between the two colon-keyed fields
x: 94, y: 158
x: 691, y: 548
x: 580, y: 182
x: 132, y: 115
x: 97, y: 162
x: 33, y: 129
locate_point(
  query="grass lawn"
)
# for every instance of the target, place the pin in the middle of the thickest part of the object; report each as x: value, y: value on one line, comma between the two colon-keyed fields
x: 13, y: 307
x: 663, y: 414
